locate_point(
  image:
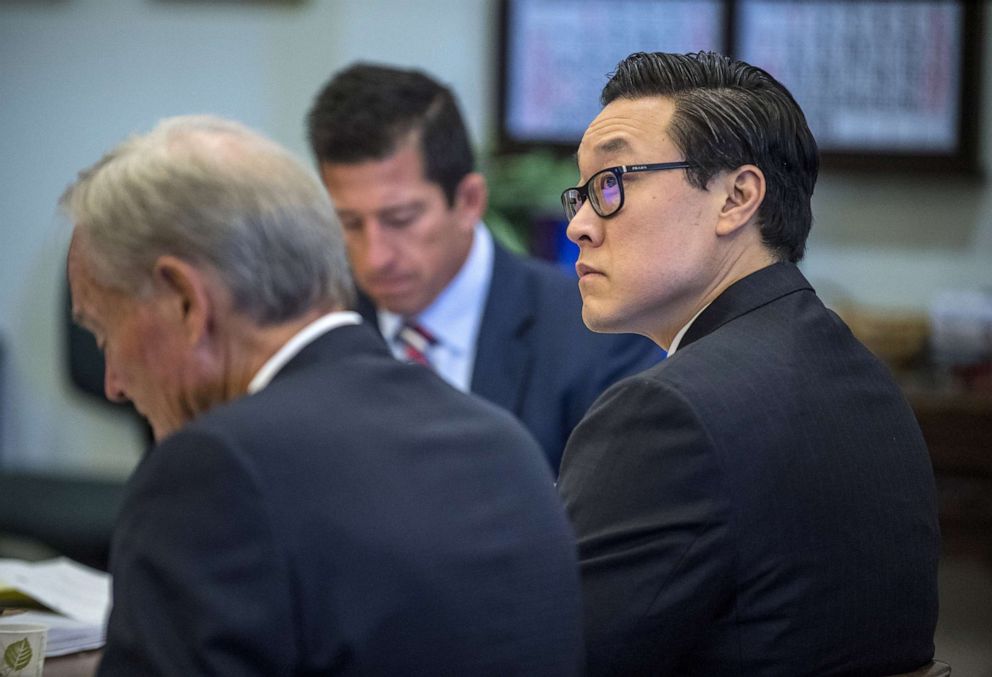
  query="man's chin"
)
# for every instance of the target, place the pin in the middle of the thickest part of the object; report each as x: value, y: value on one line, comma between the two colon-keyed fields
x: 161, y: 430
x: 601, y: 323
x: 400, y: 305
x: 158, y: 434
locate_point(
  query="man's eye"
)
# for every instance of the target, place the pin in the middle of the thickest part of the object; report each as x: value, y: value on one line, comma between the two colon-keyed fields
x: 351, y: 225
x: 399, y: 221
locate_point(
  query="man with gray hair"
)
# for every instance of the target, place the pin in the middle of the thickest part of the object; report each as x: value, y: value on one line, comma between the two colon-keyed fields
x: 312, y: 505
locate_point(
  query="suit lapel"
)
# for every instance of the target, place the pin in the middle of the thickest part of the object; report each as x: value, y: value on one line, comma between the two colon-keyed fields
x: 504, y: 350
x: 749, y: 293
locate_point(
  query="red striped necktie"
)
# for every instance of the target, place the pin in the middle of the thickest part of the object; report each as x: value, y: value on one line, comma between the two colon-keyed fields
x: 415, y: 341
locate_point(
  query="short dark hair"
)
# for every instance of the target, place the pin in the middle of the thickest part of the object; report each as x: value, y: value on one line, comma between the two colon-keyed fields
x: 366, y: 111
x: 727, y: 114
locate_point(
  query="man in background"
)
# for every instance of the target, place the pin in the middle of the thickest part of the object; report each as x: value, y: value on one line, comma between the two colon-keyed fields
x: 312, y: 506
x: 395, y: 156
x: 761, y: 502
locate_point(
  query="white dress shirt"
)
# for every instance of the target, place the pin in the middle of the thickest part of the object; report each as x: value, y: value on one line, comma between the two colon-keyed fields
x: 678, y: 337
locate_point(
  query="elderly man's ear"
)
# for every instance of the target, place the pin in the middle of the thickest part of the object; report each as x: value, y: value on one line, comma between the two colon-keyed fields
x: 744, y: 189
x: 187, y: 296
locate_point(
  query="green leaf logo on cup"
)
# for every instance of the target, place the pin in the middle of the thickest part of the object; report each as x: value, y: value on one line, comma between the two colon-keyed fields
x: 22, y: 649
x: 18, y: 655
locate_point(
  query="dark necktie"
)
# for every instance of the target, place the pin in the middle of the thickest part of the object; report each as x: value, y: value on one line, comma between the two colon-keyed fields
x: 415, y: 341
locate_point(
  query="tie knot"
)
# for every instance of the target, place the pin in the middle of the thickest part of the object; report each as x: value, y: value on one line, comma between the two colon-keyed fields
x: 416, y: 341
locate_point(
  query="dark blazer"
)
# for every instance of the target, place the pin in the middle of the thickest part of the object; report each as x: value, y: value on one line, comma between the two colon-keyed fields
x: 358, y: 516
x: 535, y: 357
x: 761, y: 503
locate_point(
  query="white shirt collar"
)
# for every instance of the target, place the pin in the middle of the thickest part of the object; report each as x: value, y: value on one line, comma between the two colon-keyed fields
x: 678, y: 337
x: 454, y: 315
x: 298, y: 342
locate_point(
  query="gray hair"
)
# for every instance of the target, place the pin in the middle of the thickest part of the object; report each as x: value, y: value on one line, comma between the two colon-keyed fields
x: 213, y: 192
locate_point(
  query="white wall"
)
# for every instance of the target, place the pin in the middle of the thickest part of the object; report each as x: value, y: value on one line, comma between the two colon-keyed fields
x: 76, y: 76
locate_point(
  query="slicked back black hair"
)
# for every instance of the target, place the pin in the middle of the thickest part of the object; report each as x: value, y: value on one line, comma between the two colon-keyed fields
x: 727, y: 114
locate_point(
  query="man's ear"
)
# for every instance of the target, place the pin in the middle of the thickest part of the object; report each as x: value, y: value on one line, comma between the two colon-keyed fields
x: 186, y: 295
x: 471, y: 198
x: 745, y: 191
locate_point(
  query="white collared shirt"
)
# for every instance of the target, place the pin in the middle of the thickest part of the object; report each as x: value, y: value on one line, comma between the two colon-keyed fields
x: 678, y: 337
x: 300, y: 340
x: 455, y: 315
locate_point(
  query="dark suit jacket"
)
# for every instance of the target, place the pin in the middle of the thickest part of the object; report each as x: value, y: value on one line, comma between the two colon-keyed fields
x: 761, y: 503
x: 535, y: 357
x: 358, y: 516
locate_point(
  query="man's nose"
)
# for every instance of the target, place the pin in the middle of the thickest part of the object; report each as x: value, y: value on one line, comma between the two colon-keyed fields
x: 113, y: 388
x: 380, y: 249
x: 585, y: 228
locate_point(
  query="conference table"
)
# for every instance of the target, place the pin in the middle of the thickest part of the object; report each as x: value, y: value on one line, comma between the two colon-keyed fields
x: 81, y: 664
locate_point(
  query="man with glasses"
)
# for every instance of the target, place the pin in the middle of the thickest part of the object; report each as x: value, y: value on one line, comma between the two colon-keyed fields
x: 762, y: 501
x: 395, y: 156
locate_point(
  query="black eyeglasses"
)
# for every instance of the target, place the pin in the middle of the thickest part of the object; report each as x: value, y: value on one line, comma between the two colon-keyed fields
x: 604, y: 189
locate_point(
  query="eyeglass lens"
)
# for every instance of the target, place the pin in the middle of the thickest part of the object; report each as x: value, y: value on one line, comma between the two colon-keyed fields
x: 571, y: 200
x: 605, y: 192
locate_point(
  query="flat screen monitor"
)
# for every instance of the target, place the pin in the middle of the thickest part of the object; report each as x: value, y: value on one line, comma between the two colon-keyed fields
x: 557, y: 55
x: 882, y: 83
x: 885, y: 84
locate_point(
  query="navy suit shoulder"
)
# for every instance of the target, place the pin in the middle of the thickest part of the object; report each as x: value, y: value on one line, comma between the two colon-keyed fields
x: 536, y: 358
x: 357, y: 516
x: 766, y: 491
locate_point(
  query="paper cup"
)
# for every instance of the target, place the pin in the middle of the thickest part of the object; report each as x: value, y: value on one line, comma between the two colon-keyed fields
x: 22, y: 649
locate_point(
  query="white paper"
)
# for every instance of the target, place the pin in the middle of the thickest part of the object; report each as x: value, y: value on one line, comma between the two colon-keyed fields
x: 65, y: 635
x: 64, y: 586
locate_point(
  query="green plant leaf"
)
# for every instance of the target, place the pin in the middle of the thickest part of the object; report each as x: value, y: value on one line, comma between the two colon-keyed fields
x: 524, y: 189
x: 18, y: 655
